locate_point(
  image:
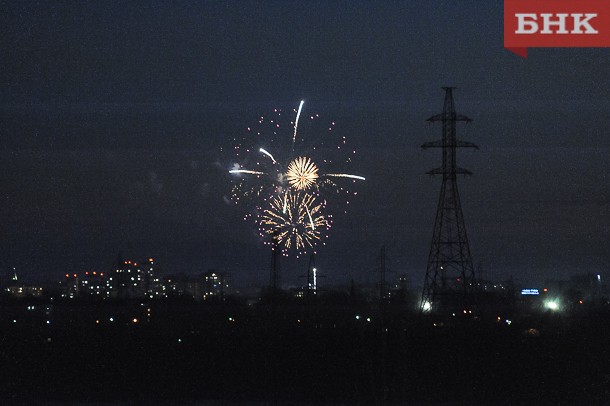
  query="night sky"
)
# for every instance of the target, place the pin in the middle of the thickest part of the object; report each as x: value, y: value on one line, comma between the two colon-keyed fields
x: 112, y: 117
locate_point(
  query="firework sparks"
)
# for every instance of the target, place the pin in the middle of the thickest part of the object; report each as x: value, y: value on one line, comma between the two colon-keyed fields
x: 344, y: 175
x: 296, y: 124
x: 313, y: 226
x: 249, y: 172
x: 302, y: 173
x: 296, y: 220
x: 286, y: 179
x: 275, y: 175
x: 285, y: 206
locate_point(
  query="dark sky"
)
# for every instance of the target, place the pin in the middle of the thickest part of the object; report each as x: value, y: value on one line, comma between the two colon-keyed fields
x: 112, y: 117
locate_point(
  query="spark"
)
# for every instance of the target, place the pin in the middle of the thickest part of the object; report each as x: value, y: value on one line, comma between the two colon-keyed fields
x: 344, y: 175
x: 302, y: 173
x: 246, y: 171
x: 264, y: 151
x: 313, y: 227
x: 285, y: 203
x: 296, y: 123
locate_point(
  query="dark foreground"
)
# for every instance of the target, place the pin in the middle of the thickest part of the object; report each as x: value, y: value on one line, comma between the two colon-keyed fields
x: 246, y: 354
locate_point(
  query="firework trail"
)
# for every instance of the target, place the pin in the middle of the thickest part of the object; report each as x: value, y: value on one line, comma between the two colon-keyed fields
x: 344, y: 175
x: 296, y: 124
x: 264, y: 151
x: 246, y: 171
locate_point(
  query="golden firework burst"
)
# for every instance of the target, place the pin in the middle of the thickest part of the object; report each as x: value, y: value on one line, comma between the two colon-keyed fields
x: 302, y: 173
x: 295, y: 218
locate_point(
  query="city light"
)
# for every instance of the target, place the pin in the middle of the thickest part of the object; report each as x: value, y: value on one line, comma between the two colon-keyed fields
x: 551, y: 305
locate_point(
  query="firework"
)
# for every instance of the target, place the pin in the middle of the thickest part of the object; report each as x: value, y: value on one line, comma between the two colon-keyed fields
x: 295, y: 219
x: 302, y: 173
x: 274, y: 175
x: 285, y: 175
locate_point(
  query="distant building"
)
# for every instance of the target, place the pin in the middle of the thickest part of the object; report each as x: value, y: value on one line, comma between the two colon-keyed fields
x: 156, y: 288
x: 149, y: 282
x: 126, y: 280
x: 19, y: 289
x: 69, y: 287
x: 177, y: 285
x: 93, y: 284
x: 87, y: 284
x: 215, y: 286
x: 25, y: 291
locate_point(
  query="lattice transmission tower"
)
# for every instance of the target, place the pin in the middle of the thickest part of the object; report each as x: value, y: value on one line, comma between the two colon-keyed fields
x: 450, y: 281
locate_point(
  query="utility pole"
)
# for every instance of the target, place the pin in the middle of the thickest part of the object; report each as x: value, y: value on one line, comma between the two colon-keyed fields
x: 381, y: 269
x: 275, y: 276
